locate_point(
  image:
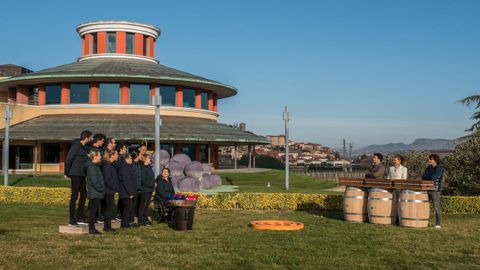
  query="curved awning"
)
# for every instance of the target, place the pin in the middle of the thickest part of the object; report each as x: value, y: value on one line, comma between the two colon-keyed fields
x: 132, y: 128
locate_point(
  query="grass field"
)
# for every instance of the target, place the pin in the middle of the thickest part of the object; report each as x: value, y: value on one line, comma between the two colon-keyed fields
x: 247, y: 182
x: 29, y: 238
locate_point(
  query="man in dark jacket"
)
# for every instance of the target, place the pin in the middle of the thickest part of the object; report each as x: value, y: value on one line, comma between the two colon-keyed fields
x: 434, y: 172
x: 75, y: 165
x: 378, y: 169
x: 97, y: 144
x: 148, y: 185
x: 127, y: 189
x: 110, y: 178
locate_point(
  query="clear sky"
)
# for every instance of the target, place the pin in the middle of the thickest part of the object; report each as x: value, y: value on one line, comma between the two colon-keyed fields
x: 367, y: 71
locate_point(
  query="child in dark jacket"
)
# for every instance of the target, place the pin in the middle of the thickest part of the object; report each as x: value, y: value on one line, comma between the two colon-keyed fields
x: 127, y: 189
x: 95, y: 188
x: 147, y: 187
x: 110, y: 177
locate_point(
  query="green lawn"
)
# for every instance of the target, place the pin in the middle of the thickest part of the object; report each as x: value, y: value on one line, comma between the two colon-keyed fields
x: 25, y: 180
x: 29, y: 238
x: 247, y: 182
x: 257, y: 182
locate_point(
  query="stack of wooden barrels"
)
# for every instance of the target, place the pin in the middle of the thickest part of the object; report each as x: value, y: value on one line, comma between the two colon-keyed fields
x: 380, y: 201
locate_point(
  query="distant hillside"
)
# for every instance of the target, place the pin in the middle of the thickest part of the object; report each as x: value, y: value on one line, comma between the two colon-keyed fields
x: 419, y: 144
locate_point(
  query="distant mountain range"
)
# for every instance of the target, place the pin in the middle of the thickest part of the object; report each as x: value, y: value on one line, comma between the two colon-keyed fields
x: 419, y: 144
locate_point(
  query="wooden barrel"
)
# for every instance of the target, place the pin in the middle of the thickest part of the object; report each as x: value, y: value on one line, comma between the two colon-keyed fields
x: 414, y: 208
x: 381, y: 206
x: 355, y: 204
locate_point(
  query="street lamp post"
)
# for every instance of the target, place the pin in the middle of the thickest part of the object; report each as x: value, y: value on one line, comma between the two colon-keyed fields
x: 6, y: 144
x: 157, y: 101
x: 286, y: 118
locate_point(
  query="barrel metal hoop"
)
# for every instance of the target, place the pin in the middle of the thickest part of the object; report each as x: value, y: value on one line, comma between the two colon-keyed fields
x: 380, y: 199
x: 408, y: 191
x: 355, y: 197
x: 355, y: 214
x: 379, y: 190
x: 421, y: 219
x: 354, y: 188
x: 375, y: 216
x: 414, y: 201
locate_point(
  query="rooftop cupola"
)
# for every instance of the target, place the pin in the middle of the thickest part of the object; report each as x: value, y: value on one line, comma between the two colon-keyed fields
x: 107, y: 39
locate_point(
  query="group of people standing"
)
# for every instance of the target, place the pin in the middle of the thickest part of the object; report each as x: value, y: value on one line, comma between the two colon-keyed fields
x: 98, y: 169
x: 434, y: 172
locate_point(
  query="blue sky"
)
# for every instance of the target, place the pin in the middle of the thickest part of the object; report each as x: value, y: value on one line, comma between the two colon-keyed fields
x: 367, y: 71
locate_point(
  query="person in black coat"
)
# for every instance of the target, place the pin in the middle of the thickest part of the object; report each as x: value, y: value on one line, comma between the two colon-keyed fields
x: 146, y: 189
x: 127, y: 189
x: 137, y: 170
x: 75, y: 169
x: 95, y: 188
x: 110, y: 177
x: 164, y: 190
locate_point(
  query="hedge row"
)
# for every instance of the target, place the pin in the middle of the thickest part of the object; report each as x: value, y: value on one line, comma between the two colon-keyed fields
x: 248, y: 201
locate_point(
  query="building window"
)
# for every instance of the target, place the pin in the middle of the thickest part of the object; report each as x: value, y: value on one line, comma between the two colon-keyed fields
x: 139, y: 94
x: 130, y: 43
x: 94, y: 43
x: 51, y: 153
x: 111, y: 42
x: 145, y: 45
x: 79, y: 93
x: 189, y: 150
x: 169, y: 95
x: 203, y: 153
x: 109, y: 93
x: 189, y: 98
x: 205, y: 100
x: 53, y: 94
x: 170, y: 148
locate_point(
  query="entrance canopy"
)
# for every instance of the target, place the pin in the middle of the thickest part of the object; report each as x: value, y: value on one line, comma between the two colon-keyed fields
x: 131, y: 128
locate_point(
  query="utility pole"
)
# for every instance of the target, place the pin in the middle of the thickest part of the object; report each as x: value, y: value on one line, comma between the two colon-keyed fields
x: 157, y: 102
x: 286, y: 118
x: 350, y: 145
x: 6, y: 144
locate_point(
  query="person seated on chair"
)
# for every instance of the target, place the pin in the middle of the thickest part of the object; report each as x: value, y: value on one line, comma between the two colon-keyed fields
x: 164, y: 190
x: 378, y: 169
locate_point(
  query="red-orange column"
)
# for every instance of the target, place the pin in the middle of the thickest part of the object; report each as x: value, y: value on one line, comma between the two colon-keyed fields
x: 65, y: 95
x: 214, y: 155
x: 121, y: 42
x: 41, y: 95
x: 94, y: 93
x: 198, y: 98
x: 215, y: 102
x: 138, y: 44
x: 88, y: 44
x: 178, y: 148
x: 198, y: 154
x: 63, y: 155
x: 124, y: 95
x: 21, y: 95
x: 210, y: 101
x: 102, y: 42
x: 150, y: 47
x: 179, y: 96
x: 152, y: 92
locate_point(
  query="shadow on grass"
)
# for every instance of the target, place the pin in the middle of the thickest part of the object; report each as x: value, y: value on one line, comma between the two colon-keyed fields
x: 327, y: 214
x: 3, y: 232
x: 14, y: 183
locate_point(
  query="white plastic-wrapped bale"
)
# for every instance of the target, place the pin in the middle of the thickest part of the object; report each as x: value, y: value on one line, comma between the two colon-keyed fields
x: 176, y: 180
x: 194, y: 169
x: 181, y: 158
x: 216, y: 180
x: 176, y: 168
x: 164, y: 157
x: 206, y: 181
x: 189, y: 184
x: 207, y: 168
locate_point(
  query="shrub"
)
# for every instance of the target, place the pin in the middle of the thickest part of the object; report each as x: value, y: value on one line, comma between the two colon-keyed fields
x: 463, y: 168
x: 227, y: 201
